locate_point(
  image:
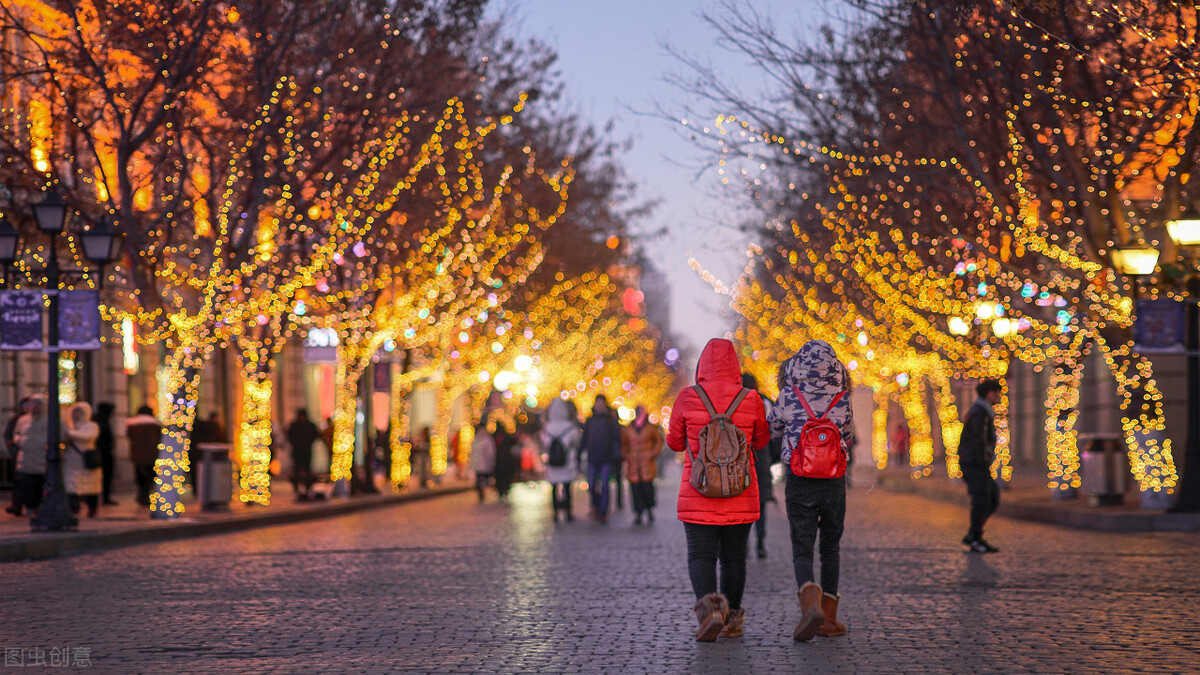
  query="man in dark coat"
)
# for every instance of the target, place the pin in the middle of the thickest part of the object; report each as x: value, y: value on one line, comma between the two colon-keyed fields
x: 106, y: 443
x: 976, y: 453
x: 144, y: 432
x: 302, y: 434
x: 602, y: 445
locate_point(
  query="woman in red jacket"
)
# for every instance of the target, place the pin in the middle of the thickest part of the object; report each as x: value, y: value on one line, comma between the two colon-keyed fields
x: 716, y: 528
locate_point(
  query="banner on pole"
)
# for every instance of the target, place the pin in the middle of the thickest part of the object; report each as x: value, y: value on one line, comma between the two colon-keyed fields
x: 21, y: 320
x: 79, y: 320
x: 1160, y: 326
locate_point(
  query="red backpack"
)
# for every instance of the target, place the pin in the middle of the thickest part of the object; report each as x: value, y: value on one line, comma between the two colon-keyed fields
x: 819, y: 453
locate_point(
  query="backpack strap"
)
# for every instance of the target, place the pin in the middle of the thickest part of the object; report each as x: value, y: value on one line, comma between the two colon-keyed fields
x: 712, y: 412
x: 809, y: 410
x: 737, y: 400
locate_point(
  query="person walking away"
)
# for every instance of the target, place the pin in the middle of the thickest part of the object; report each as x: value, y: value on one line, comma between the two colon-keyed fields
x: 144, y: 433
x: 763, y: 459
x: 106, y: 443
x: 561, y: 438
x: 641, y: 444
x: 302, y: 434
x: 420, y: 458
x: 31, y: 437
x: 483, y: 458
x: 976, y: 453
x: 506, y: 461
x: 717, y: 527
x: 814, y: 419
x: 602, y: 445
x: 84, y: 483
x: 10, y: 444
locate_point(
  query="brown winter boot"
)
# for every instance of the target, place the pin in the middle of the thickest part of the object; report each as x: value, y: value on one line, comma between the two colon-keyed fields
x: 711, y: 611
x: 832, y: 627
x: 811, y: 616
x: 733, y: 623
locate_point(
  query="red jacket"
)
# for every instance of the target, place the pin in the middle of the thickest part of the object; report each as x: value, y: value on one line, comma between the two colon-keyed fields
x: 720, y: 375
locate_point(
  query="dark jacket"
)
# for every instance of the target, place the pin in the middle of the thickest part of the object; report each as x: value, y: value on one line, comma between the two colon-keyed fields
x: 144, y: 433
x: 720, y: 375
x: 301, y: 435
x: 601, y: 439
x: 977, y: 445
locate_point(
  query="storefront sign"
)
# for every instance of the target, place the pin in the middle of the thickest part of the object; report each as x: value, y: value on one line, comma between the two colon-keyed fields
x: 1159, y: 326
x: 21, y: 320
x: 320, y: 345
x: 79, y: 320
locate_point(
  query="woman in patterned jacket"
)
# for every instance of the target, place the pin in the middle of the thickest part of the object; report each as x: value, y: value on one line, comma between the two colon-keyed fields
x: 814, y: 380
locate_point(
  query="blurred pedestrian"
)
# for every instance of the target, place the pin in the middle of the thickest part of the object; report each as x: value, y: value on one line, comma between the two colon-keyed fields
x: 602, y: 445
x: 30, y: 435
x: 763, y: 459
x: 561, y: 437
x: 506, y: 461
x: 10, y: 444
x: 814, y: 419
x: 976, y: 454
x: 642, y: 442
x: 483, y: 457
x: 83, y: 476
x: 302, y: 434
x: 717, y: 528
x: 106, y: 443
x: 145, y: 433
x: 421, y: 458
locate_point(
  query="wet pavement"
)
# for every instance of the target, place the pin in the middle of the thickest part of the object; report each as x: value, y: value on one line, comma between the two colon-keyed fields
x: 453, y: 586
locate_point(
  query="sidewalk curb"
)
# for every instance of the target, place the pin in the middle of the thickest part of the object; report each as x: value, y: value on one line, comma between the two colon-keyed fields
x: 49, y: 545
x: 1096, y: 521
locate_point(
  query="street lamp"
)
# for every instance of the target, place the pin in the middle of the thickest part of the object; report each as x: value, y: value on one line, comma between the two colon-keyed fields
x: 101, y: 246
x: 1135, y: 260
x: 1185, y: 231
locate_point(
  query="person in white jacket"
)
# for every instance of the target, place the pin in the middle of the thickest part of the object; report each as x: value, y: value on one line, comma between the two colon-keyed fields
x: 561, y: 435
x: 83, y: 484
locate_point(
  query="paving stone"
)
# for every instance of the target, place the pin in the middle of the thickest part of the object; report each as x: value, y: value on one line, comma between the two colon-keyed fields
x: 453, y: 586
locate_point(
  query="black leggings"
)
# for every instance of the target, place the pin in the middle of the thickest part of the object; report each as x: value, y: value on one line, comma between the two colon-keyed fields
x: 560, y: 497
x: 706, y: 544
x: 816, y: 505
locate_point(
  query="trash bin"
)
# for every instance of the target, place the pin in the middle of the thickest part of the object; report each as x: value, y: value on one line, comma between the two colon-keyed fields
x: 1103, y: 468
x: 214, y: 476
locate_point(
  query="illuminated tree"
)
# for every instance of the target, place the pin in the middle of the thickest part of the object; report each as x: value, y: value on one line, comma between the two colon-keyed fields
x: 979, y: 164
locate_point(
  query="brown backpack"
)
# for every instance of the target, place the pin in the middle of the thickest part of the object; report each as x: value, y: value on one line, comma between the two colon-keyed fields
x: 722, y: 466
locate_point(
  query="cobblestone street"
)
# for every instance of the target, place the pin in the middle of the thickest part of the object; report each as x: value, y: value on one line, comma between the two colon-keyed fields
x: 452, y: 586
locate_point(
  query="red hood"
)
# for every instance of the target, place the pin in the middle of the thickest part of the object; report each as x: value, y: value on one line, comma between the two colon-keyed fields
x: 718, y: 363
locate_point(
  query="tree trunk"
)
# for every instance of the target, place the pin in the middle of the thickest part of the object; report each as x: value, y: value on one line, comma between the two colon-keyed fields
x: 345, y: 414
x: 183, y: 369
x: 1062, y: 412
x: 257, y: 418
x: 1144, y: 426
x: 951, y: 424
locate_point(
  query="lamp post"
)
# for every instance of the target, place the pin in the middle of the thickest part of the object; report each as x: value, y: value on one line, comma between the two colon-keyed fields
x: 1185, y: 231
x: 100, y: 246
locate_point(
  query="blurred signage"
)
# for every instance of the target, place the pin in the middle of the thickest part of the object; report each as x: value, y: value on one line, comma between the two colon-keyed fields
x: 21, y: 320
x: 79, y: 320
x: 320, y: 345
x: 1160, y: 326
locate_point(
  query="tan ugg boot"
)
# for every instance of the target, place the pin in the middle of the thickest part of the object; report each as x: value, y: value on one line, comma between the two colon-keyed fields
x: 733, y: 623
x: 811, y: 616
x: 711, y: 611
x: 831, y: 627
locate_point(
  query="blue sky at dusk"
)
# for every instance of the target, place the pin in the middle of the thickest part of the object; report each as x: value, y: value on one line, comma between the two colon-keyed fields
x: 612, y: 59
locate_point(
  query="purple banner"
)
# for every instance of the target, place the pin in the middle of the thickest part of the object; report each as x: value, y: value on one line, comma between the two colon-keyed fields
x: 1160, y: 325
x: 21, y: 320
x: 79, y: 320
